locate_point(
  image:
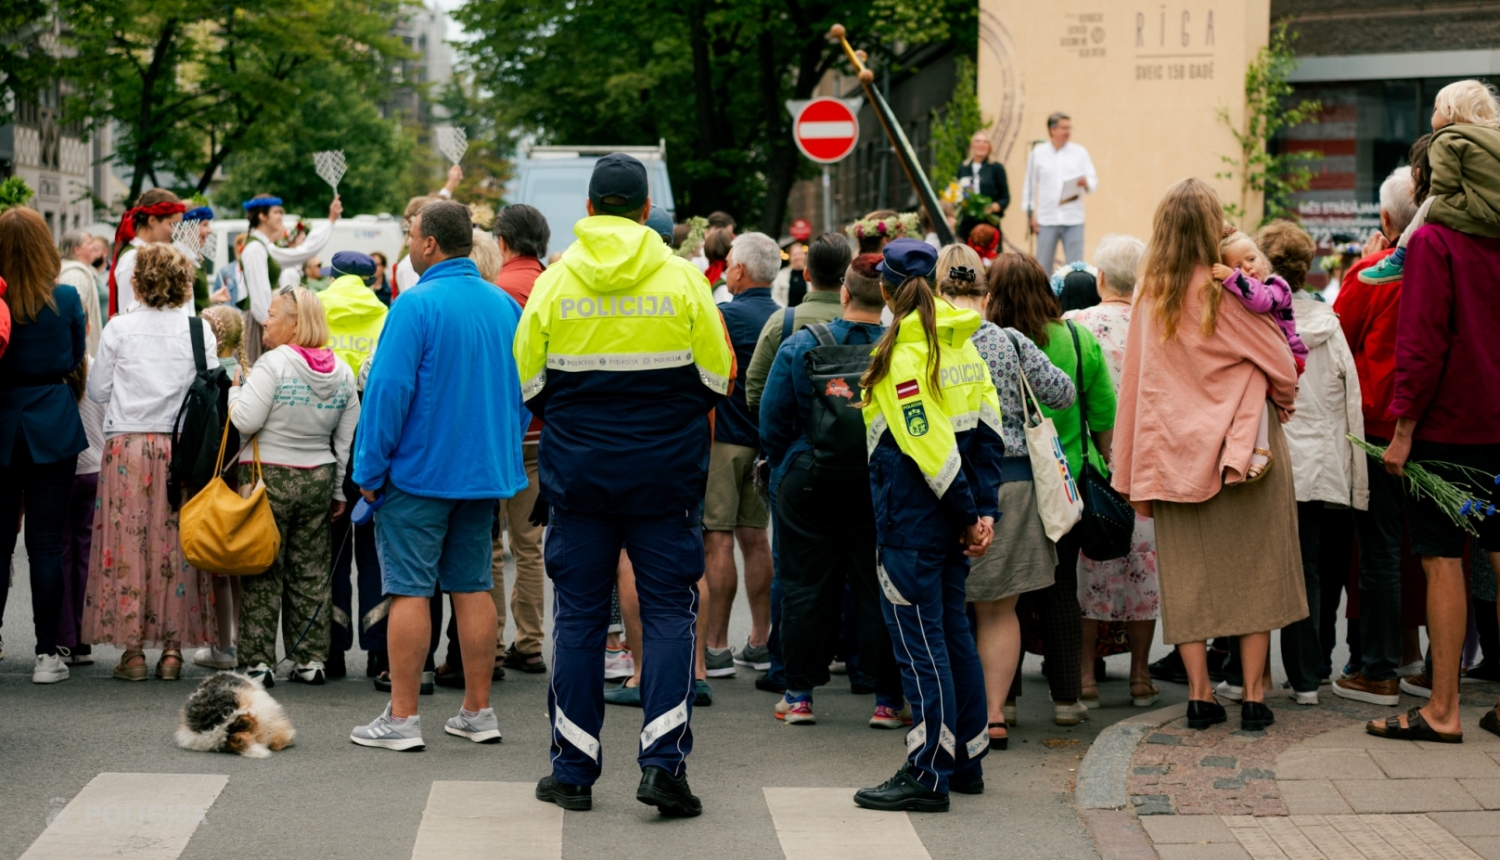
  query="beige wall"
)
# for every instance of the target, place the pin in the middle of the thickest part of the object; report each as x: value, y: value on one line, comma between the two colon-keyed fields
x: 1142, y: 82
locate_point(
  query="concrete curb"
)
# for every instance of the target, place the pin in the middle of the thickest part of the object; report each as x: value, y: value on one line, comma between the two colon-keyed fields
x: 1106, y: 767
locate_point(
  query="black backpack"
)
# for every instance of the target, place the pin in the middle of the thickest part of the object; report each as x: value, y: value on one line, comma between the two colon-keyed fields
x: 836, y: 423
x: 199, y: 425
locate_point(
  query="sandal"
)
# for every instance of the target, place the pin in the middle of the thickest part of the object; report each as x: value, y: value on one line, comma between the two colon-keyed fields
x: 1143, y: 693
x: 999, y: 742
x: 1490, y: 722
x: 1258, y: 470
x: 531, y: 664
x: 1089, y: 695
x: 167, y: 672
x: 127, y: 672
x: 1416, y: 729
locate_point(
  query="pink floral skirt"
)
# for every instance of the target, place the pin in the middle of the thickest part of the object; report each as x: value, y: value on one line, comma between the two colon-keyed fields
x: 1122, y: 589
x: 141, y: 592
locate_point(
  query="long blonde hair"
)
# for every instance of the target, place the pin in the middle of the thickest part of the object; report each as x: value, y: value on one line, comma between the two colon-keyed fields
x: 913, y: 296
x: 1185, y: 234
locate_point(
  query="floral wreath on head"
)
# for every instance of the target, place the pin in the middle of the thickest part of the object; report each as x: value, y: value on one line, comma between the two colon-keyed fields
x: 697, y: 231
x: 903, y: 226
x: 1060, y: 277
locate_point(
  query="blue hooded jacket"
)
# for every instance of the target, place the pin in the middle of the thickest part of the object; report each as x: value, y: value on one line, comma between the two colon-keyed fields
x: 442, y: 414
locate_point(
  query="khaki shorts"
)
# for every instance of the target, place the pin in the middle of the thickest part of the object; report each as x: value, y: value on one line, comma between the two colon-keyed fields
x: 732, y: 498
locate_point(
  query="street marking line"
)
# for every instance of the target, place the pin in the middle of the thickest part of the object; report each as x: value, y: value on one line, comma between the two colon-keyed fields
x: 140, y: 816
x: 473, y: 820
x: 825, y: 823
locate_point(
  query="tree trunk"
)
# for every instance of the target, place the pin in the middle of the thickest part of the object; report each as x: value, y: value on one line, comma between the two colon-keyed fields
x: 144, y: 162
x: 704, y: 191
x: 782, y: 163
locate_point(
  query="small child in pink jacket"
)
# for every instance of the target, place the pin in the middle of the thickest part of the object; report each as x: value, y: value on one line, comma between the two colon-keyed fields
x: 1246, y: 275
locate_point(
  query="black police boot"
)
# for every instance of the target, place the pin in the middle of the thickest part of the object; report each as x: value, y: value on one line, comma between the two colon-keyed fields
x: 966, y: 785
x: 579, y: 798
x: 900, y: 793
x: 334, y: 667
x: 669, y: 794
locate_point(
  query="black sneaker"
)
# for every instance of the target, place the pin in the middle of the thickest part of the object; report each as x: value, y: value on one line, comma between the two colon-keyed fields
x: 1169, y: 669
x: 669, y: 794
x: 767, y: 683
x: 901, y: 793
x: 579, y: 798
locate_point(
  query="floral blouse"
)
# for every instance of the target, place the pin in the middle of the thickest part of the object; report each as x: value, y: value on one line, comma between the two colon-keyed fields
x: 1052, y: 386
x: 1108, y: 322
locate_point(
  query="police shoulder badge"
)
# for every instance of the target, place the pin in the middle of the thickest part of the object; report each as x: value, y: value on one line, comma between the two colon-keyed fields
x: 916, y: 419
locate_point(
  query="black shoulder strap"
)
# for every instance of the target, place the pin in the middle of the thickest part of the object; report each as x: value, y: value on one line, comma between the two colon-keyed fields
x: 788, y: 319
x: 822, y: 333
x: 195, y: 329
x: 1083, y: 410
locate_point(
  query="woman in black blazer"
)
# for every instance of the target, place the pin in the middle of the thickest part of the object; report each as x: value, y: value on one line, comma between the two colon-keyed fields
x: 989, y: 177
x: 40, y: 431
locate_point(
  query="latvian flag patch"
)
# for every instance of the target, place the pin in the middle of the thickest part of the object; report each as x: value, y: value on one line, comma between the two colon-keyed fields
x: 907, y: 389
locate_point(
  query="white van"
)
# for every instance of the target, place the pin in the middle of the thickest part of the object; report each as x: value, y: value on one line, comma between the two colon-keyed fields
x: 555, y: 179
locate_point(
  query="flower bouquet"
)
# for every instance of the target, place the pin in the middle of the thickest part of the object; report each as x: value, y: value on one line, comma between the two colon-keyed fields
x: 1464, y: 508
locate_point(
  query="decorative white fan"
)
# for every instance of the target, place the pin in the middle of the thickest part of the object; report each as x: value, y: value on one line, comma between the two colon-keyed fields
x: 330, y: 166
x: 453, y: 141
x: 185, y: 237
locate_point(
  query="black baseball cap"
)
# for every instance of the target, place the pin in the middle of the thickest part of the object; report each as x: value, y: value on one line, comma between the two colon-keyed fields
x: 619, y: 176
x: 351, y: 263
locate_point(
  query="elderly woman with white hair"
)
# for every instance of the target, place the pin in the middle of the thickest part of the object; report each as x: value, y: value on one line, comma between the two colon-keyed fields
x: 1123, y: 589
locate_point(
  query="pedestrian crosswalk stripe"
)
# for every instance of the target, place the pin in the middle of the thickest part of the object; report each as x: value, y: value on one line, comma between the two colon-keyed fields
x: 140, y: 816
x: 472, y: 820
x: 825, y: 823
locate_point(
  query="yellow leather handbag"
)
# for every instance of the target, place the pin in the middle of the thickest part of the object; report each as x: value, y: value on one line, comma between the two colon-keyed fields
x: 225, y: 533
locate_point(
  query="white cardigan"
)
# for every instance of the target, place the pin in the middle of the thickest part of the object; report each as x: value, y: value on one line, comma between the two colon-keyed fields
x: 144, y: 369
x: 1326, y: 467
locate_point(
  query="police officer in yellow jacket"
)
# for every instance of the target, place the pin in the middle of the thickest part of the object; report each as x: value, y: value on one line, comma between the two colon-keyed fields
x: 622, y: 354
x: 932, y: 421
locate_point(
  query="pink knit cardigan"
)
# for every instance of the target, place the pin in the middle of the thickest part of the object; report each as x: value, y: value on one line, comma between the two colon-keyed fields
x: 1189, y: 405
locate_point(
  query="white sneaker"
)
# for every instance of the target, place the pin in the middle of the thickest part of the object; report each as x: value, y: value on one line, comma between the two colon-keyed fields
x: 50, y: 669
x: 1302, y: 698
x: 263, y: 675
x: 213, y: 658
x: 618, y: 664
x: 1413, y: 668
x: 1229, y: 691
x: 308, y: 673
x: 1069, y: 715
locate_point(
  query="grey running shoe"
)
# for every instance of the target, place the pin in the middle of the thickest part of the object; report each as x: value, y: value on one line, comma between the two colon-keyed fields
x: 757, y: 657
x: 386, y: 734
x: 482, y: 728
x: 720, y: 663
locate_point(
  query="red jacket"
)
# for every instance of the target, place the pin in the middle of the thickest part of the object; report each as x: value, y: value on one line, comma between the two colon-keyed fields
x: 516, y: 278
x: 1367, y: 313
x: 1448, y: 338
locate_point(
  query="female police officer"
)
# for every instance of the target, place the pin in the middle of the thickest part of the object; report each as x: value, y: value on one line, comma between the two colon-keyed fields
x: 932, y: 423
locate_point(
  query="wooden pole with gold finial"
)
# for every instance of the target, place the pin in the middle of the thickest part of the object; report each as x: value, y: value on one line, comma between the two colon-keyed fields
x: 904, y: 152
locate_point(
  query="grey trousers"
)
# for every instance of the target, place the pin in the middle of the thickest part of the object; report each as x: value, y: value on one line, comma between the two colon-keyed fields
x: 1047, y: 237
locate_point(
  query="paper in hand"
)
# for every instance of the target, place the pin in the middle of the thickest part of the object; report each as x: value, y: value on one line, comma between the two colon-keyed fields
x: 1071, y: 190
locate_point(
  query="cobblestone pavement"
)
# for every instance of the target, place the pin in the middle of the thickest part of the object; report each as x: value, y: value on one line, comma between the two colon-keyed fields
x: 1314, y: 785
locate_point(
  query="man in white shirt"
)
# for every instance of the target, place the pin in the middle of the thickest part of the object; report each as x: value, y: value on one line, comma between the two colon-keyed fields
x: 1058, y: 174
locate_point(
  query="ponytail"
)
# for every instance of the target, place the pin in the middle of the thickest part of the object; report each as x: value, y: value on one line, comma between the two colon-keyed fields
x: 914, y: 294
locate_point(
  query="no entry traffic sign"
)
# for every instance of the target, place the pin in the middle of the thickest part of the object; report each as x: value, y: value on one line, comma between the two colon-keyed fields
x: 825, y: 129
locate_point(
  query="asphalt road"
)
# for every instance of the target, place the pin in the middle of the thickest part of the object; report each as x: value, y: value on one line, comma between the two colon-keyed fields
x: 326, y: 798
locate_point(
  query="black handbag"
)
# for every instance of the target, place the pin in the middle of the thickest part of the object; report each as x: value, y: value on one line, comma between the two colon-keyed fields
x: 1108, y: 519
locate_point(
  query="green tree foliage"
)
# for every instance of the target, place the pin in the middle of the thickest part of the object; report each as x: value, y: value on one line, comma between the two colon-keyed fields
x: 711, y: 77
x: 26, y: 64
x: 334, y: 115
x: 1268, y: 110
x: 955, y: 124
x: 192, y: 83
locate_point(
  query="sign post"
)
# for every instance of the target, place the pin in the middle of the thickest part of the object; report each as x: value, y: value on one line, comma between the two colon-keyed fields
x: 826, y: 130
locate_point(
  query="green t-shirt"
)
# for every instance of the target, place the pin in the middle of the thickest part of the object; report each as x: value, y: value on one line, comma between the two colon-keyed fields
x: 1097, y: 392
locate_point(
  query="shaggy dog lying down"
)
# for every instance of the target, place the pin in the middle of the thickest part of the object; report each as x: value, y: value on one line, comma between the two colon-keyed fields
x: 231, y: 713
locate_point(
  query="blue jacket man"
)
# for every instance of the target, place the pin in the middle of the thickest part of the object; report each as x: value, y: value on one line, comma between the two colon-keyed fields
x: 439, y: 442
x: 623, y: 355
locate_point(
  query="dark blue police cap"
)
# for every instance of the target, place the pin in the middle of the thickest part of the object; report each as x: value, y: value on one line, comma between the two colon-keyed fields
x: 907, y: 258
x: 351, y: 263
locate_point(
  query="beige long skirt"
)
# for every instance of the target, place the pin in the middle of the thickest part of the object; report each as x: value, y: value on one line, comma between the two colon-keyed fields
x: 1232, y: 565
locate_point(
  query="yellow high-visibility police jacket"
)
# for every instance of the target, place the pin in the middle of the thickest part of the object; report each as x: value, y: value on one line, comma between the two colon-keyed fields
x: 623, y: 356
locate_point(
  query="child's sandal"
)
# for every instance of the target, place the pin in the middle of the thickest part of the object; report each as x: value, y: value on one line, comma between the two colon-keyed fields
x: 1258, y: 470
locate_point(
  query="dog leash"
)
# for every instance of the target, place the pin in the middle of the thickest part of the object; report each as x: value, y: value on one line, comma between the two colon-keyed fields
x: 348, y: 539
